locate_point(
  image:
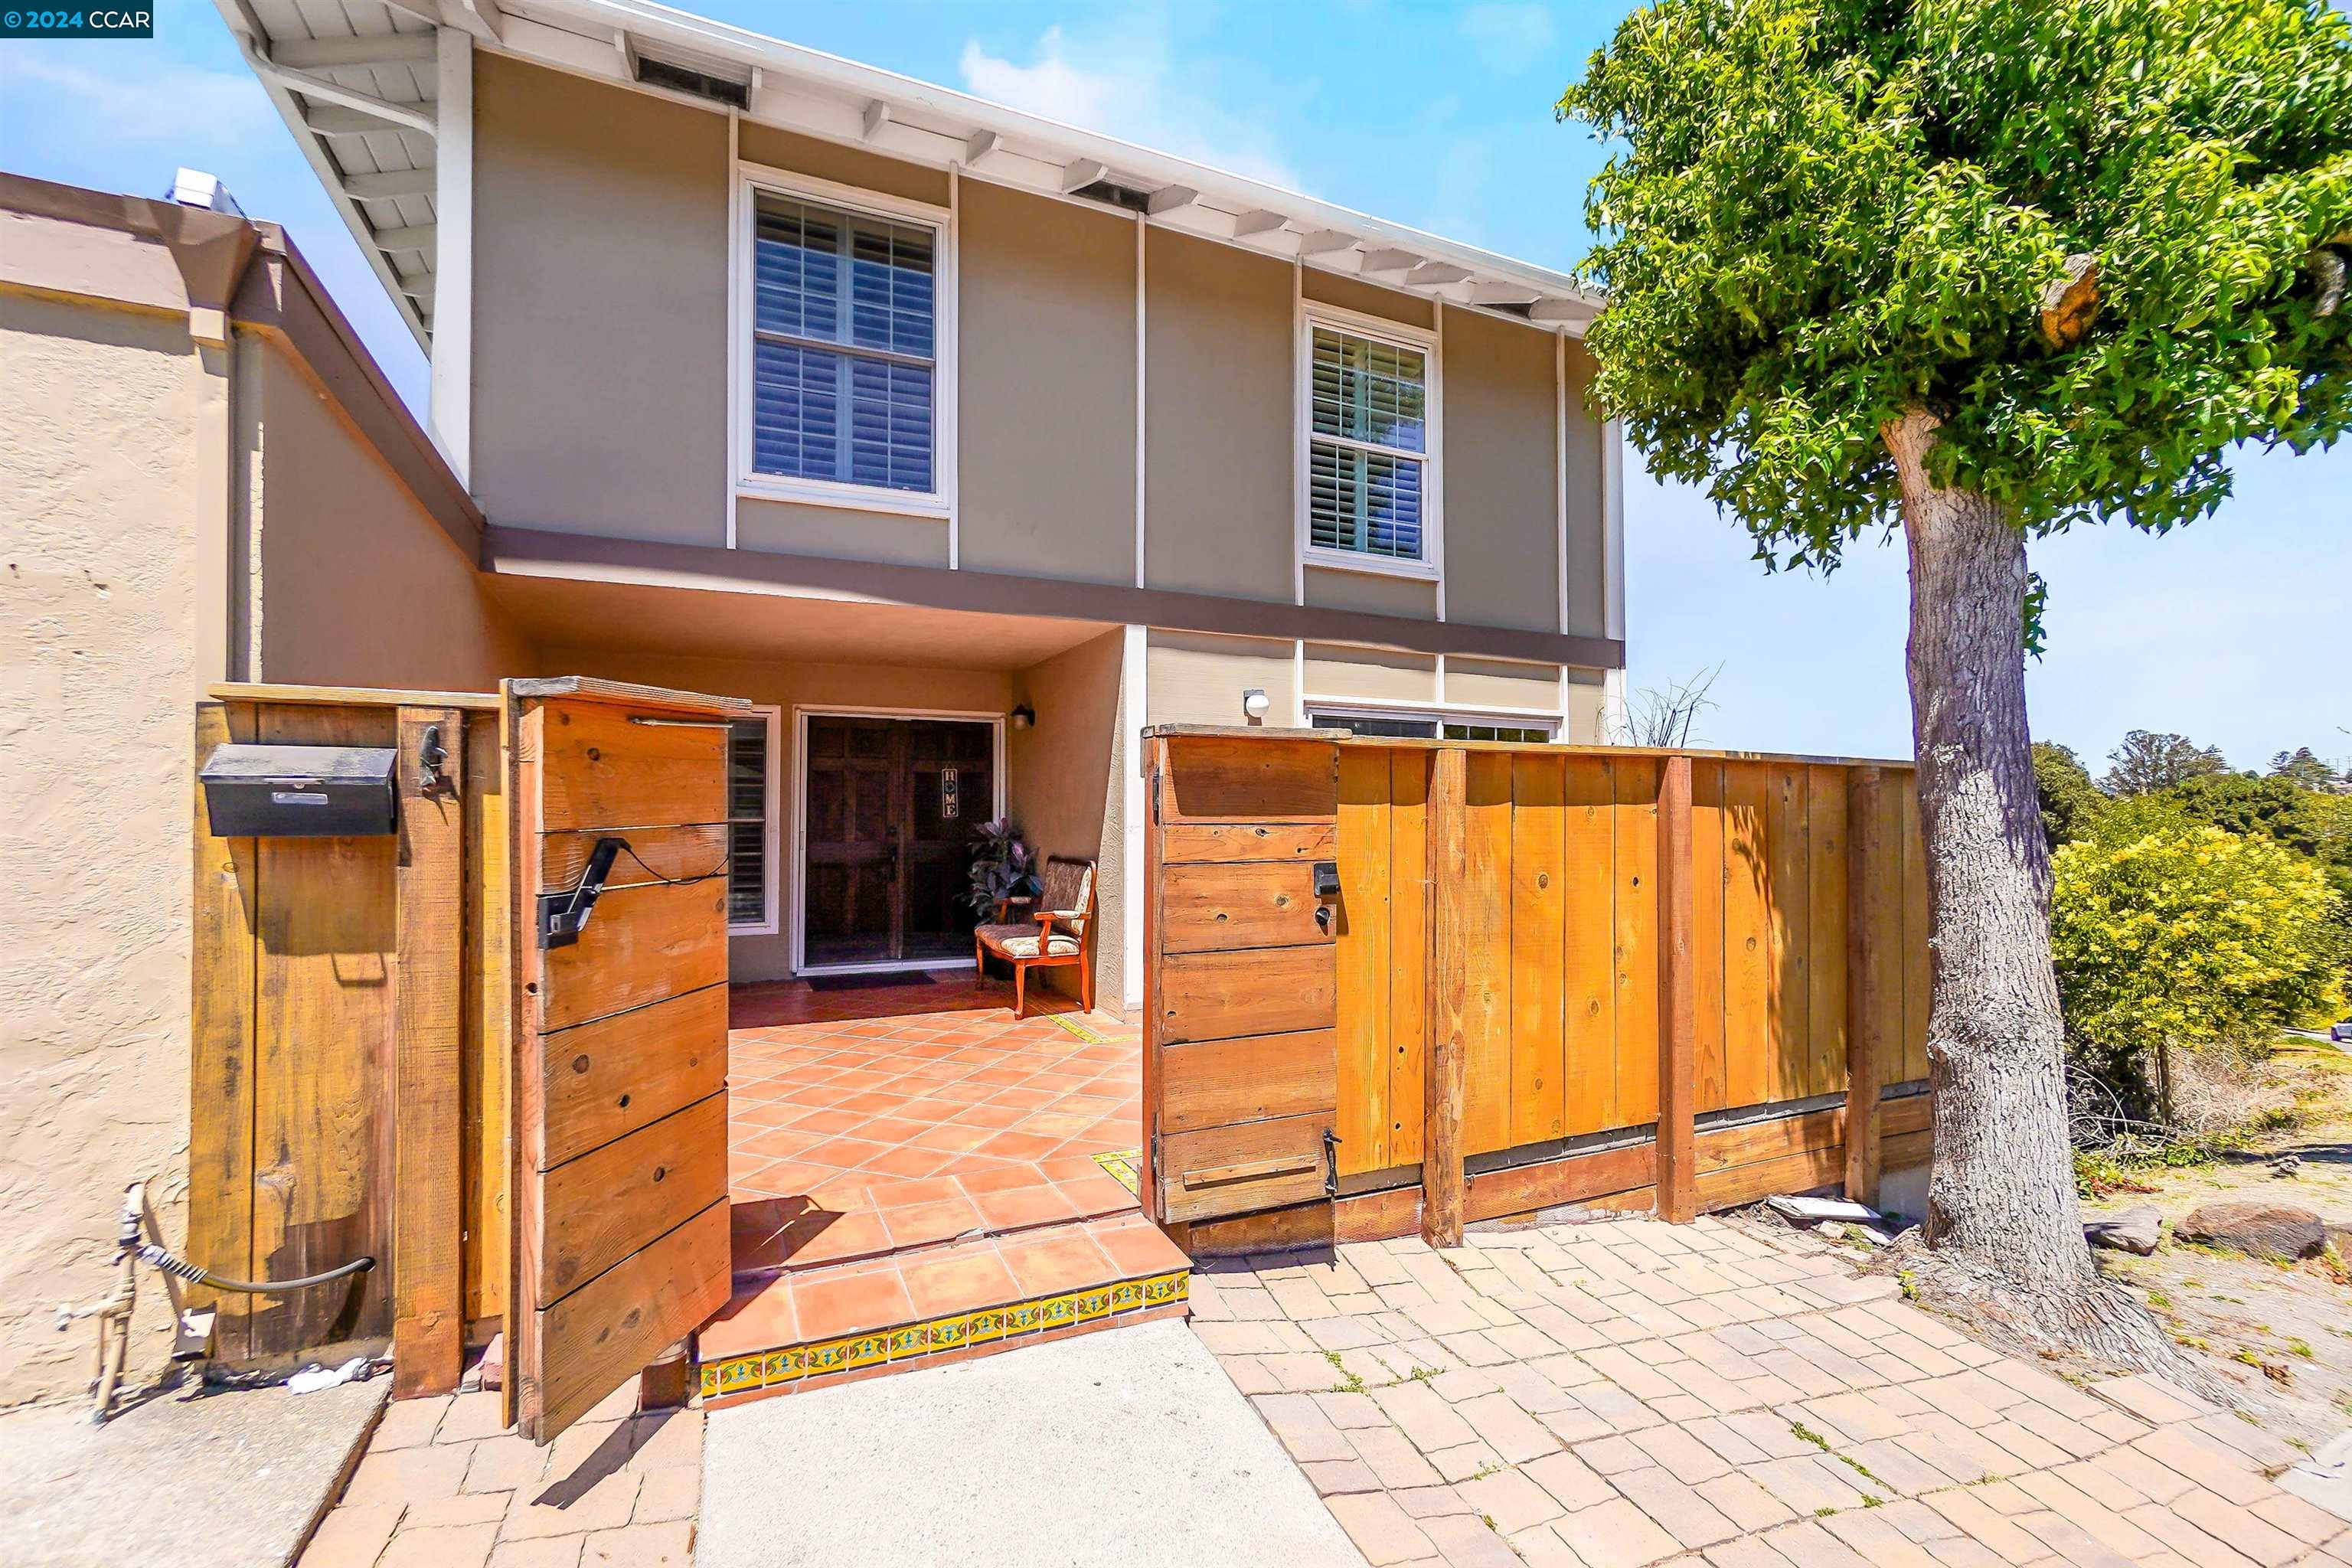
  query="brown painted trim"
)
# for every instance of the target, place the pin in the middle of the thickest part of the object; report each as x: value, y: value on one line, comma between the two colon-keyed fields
x: 535, y: 553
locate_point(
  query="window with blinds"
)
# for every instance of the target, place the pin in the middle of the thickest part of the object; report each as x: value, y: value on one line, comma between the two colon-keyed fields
x: 843, y: 352
x: 747, y: 822
x: 1368, y: 446
x: 1430, y: 727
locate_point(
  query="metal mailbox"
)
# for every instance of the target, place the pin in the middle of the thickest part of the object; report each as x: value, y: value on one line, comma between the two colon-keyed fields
x: 305, y: 792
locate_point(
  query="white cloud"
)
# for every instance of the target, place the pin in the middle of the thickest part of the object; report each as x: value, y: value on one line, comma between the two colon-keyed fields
x: 150, y: 99
x: 1127, y: 80
x: 1510, y: 37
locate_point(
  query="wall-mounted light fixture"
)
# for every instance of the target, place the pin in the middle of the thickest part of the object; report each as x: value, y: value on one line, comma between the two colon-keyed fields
x: 1023, y: 716
x: 1255, y: 703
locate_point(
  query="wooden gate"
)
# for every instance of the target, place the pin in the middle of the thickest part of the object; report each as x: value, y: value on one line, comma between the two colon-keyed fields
x: 1241, y: 986
x: 620, y: 1038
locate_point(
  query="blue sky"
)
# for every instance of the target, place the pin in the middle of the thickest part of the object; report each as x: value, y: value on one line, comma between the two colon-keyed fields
x: 2235, y: 632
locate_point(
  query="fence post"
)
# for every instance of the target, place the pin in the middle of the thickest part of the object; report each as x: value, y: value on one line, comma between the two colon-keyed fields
x: 1677, y: 999
x: 1445, y: 1060
x: 1868, y: 951
x: 427, y: 1216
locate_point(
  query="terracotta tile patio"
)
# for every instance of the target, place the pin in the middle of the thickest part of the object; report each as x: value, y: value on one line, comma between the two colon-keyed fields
x: 903, y: 1157
x: 855, y: 1132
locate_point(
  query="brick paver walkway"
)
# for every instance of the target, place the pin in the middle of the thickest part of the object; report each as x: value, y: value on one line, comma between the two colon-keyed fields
x: 442, y: 1486
x: 1618, y: 1394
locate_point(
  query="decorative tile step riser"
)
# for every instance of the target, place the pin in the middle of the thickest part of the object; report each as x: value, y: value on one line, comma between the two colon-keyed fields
x: 937, y: 1336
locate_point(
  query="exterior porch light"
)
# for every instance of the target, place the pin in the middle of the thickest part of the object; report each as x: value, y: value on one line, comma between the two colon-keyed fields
x: 1255, y: 703
x: 1023, y: 716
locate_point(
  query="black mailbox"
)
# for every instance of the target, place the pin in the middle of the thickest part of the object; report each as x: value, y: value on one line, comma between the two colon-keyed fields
x: 305, y: 792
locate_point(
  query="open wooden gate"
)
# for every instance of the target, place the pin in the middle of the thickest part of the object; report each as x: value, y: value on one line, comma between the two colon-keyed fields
x: 620, y: 1035
x: 1241, y: 976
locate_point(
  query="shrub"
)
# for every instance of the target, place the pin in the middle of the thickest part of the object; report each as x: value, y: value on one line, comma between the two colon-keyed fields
x: 2188, y: 935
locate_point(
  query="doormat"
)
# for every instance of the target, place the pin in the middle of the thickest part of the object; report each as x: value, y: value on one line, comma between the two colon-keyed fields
x: 868, y: 982
x: 1120, y: 1165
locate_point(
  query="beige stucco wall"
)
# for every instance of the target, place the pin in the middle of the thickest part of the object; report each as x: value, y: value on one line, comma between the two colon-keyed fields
x: 1219, y: 398
x: 360, y: 586
x: 1068, y: 780
x: 1192, y: 678
x: 1502, y: 683
x: 1048, y: 477
x: 1502, y: 499
x: 781, y: 684
x: 98, y: 511
x: 600, y: 308
x: 601, y: 359
x: 1366, y: 298
x: 1368, y: 673
x: 1588, y: 585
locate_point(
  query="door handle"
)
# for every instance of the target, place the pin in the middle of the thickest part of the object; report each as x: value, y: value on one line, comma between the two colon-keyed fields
x: 1331, y: 1142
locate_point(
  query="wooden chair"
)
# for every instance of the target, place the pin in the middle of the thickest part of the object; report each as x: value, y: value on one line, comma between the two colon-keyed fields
x: 1056, y: 935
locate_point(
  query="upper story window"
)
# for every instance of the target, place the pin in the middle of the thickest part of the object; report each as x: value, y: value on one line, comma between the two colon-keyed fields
x: 1369, y: 411
x: 844, y: 382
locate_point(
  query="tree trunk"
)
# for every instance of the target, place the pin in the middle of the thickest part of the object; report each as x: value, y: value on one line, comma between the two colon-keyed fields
x: 2003, y: 1188
x: 2002, y: 1220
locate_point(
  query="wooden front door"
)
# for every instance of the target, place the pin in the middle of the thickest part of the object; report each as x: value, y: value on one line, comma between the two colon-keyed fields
x: 892, y: 804
x: 619, y: 1110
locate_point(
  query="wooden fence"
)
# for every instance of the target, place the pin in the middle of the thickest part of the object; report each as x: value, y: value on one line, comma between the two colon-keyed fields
x: 348, y: 1022
x: 1640, y: 967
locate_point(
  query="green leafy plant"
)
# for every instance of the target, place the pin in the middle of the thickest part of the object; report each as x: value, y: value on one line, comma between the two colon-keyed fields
x: 2191, y: 935
x: 1984, y: 270
x: 1002, y: 867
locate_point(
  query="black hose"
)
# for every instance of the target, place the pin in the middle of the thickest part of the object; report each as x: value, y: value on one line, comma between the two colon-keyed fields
x: 180, y: 1268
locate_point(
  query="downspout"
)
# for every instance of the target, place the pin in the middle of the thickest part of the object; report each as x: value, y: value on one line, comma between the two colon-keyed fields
x: 212, y: 251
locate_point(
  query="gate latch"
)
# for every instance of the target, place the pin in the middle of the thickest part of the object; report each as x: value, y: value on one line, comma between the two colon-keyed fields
x: 563, y: 914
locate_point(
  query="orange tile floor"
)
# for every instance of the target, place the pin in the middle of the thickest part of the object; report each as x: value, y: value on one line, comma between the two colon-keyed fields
x: 904, y: 1153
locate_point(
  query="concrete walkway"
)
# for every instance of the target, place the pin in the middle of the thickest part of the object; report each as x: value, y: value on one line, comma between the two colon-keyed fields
x: 1615, y: 1395
x: 1127, y: 1448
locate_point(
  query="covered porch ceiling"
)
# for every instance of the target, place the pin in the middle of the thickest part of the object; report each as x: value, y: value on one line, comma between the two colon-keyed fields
x: 646, y: 618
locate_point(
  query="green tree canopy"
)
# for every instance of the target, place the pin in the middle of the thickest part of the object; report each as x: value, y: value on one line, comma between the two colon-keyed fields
x: 2300, y: 766
x: 2191, y: 935
x: 2071, y: 803
x: 2148, y: 762
x: 1827, y: 212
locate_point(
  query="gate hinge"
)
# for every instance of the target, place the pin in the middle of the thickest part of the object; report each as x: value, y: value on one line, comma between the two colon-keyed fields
x: 1155, y: 797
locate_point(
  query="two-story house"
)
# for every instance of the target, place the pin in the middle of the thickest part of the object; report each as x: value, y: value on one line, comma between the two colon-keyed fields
x: 964, y: 443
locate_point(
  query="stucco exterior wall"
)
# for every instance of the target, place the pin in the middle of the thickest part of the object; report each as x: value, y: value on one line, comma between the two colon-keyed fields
x: 877, y: 687
x: 1047, y: 487
x: 360, y: 587
x: 1219, y: 395
x: 98, y: 653
x: 1502, y: 496
x: 601, y: 362
x: 1193, y: 679
x: 600, y: 308
x: 1068, y: 778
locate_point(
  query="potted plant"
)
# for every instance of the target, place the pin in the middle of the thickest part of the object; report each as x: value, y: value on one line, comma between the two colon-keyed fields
x: 1002, y: 868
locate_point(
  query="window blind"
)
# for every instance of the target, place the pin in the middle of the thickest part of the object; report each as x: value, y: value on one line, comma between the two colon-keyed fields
x: 747, y: 822
x: 844, y: 365
x: 1367, y: 442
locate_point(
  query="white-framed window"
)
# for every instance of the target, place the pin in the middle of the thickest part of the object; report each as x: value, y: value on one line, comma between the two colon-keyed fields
x: 753, y: 771
x: 844, y: 348
x: 1368, y: 422
x: 1521, y: 729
